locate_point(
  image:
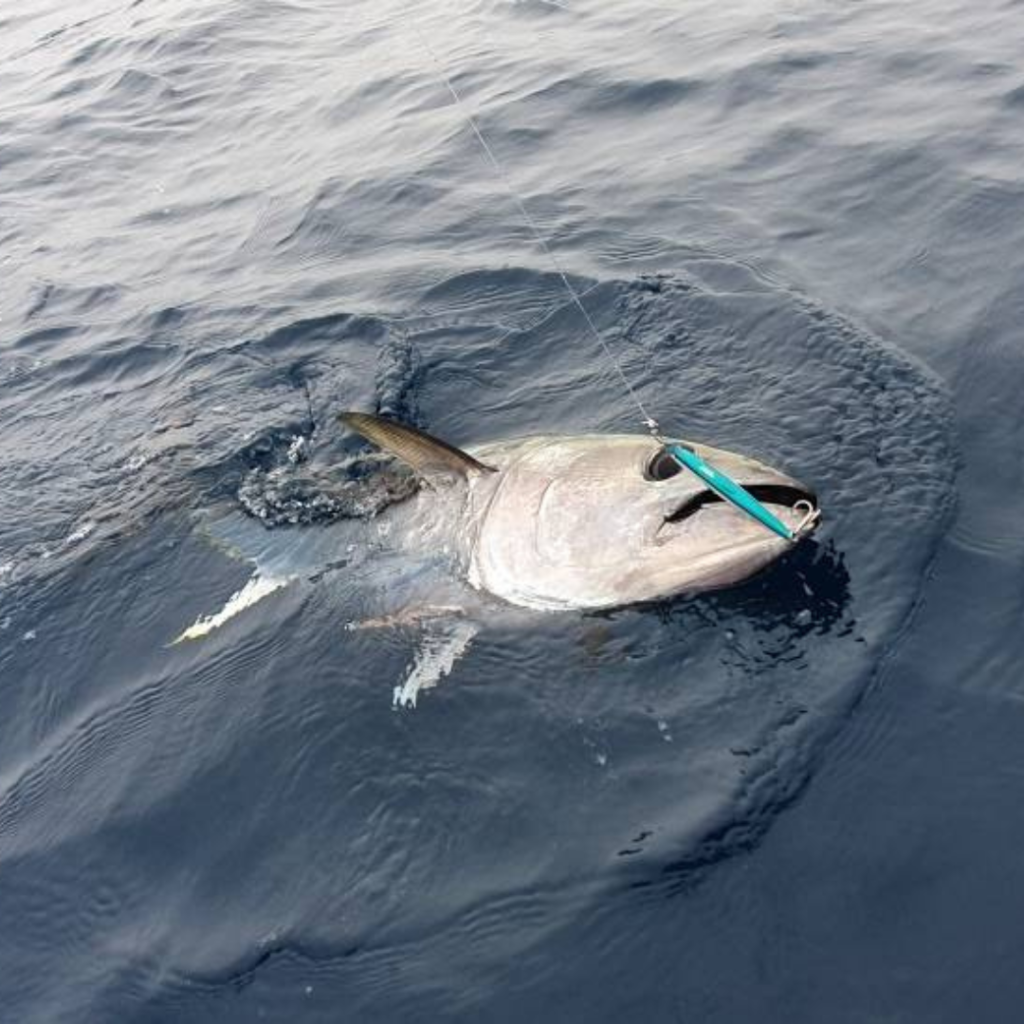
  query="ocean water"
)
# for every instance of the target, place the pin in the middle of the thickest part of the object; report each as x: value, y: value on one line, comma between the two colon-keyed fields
x: 798, y: 225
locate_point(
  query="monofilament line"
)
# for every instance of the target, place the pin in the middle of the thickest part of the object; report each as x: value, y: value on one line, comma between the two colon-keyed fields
x: 463, y: 109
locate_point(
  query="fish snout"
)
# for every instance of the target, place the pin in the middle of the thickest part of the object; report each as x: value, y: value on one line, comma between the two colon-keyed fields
x: 790, y: 500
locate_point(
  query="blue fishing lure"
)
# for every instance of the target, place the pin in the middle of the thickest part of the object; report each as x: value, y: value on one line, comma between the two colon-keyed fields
x: 727, y: 488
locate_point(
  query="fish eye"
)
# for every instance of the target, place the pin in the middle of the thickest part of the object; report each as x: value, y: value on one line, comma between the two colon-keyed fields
x: 662, y: 466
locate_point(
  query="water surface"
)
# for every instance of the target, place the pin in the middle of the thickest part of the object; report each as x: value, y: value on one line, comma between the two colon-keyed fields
x: 797, y: 226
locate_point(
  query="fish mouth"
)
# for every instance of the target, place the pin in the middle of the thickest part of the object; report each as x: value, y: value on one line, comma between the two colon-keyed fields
x: 786, y: 495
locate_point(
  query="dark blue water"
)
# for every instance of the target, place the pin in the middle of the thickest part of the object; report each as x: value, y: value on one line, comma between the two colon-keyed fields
x: 800, y: 226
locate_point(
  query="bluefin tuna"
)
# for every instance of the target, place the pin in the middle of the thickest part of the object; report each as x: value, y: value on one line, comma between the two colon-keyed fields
x: 547, y: 523
x: 588, y: 521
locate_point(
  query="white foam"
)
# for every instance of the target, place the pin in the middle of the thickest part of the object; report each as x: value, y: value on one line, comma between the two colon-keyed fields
x: 80, y: 532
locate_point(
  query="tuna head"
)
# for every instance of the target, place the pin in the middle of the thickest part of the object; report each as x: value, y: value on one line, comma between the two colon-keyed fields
x: 600, y: 521
x: 597, y: 521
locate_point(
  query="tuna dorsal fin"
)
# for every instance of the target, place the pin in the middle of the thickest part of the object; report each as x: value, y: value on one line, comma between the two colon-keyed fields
x: 424, y: 453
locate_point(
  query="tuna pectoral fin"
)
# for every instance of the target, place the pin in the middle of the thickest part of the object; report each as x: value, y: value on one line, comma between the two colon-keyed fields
x: 411, y: 615
x: 425, y: 454
x: 441, y: 645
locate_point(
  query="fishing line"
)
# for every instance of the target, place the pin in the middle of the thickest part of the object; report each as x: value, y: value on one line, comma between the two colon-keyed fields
x: 684, y: 455
x: 462, y: 107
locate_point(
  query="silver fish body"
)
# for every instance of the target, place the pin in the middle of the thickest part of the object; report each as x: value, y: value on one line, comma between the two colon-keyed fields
x: 599, y: 521
x: 552, y: 522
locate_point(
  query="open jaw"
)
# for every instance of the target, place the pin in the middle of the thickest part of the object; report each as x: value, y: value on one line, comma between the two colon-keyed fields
x: 782, y: 495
